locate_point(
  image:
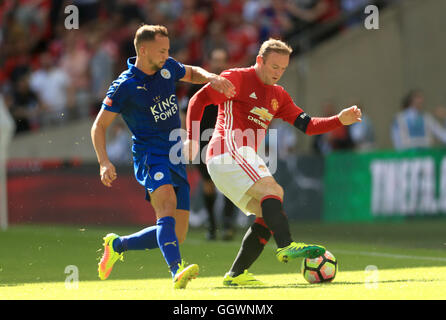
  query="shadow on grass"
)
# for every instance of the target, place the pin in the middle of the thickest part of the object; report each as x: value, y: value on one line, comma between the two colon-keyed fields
x: 328, y: 284
x: 290, y: 285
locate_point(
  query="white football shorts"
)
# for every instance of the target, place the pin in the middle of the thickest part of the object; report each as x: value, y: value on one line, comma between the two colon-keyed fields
x: 233, y: 173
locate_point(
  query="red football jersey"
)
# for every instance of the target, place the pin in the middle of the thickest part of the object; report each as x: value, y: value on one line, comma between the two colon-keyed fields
x: 244, y: 119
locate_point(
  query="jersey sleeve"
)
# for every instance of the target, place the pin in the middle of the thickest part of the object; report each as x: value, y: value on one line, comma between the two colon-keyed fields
x: 216, y: 97
x: 288, y: 110
x: 294, y: 115
x: 177, y: 68
x: 115, y: 97
x: 321, y: 125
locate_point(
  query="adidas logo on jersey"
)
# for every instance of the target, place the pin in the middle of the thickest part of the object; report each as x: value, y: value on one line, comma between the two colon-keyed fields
x: 253, y: 95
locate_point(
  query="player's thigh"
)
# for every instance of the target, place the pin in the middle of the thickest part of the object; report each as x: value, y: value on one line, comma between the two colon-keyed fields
x: 181, y: 224
x: 266, y: 186
x: 164, y: 201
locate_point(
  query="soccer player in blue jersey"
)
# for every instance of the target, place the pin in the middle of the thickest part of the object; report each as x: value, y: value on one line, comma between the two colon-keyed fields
x: 145, y: 97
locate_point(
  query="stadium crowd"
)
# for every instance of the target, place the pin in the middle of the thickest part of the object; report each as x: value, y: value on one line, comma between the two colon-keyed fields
x: 50, y: 75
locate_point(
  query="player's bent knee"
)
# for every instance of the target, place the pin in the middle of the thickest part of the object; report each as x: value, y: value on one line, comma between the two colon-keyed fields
x: 165, y: 207
x: 273, y: 189
x: 266, y: 187
x: 164, y: 201
x: 279, y: 191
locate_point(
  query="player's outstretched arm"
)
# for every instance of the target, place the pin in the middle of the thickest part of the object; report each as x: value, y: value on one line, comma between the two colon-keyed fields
x: 98, y: 136
x: 198, y: 75
x: 321, y: 125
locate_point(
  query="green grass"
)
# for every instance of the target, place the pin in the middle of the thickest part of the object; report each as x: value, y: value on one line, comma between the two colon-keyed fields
x: 410, y: 257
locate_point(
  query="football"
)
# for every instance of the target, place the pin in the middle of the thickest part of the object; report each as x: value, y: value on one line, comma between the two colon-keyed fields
x: 320, y: 269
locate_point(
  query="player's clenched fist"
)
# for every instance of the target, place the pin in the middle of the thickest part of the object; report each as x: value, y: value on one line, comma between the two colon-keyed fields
x: 190, y: 149
x: 108, y: 173
x: 350, y: 115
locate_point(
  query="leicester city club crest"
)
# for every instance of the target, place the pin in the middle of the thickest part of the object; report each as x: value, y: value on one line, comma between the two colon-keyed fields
x: 165, y: 73
x: 159, y: 175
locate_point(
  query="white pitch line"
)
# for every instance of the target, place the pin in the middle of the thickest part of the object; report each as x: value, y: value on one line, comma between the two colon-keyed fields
x: 390, y: 255
x: 361, y: 253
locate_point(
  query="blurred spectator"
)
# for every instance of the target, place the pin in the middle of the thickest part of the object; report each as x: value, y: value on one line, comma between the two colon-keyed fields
x: 192, y: 24
x: 29, y: 16
x: 275, y: 21
x: 7, y: 128
x: 440, y: 114
x: 23, y: 106
x: 198, y: 27
x: 88, y: 10
x: 306, y: 13
x: 120, y: 143
x: 101, y: 66
x: 242, y: 41
x: 252, y: 9
x: 349, y: 7
x: 363, y: 133
x: 15, y: 53
x: 338, y: 139
x: 51, y: 84
x: 413, y: 128
x: 215, y: 37
x: 75, y: 63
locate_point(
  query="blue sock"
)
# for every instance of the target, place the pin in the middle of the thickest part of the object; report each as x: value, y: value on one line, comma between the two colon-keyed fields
x: 168, y: 242
x: 144, y: 239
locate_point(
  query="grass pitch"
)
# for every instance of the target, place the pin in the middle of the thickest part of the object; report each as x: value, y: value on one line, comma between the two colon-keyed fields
x: 380, y: 261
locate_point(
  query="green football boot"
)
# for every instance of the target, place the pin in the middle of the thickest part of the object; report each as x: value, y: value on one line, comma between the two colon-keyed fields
x: 297, y: 250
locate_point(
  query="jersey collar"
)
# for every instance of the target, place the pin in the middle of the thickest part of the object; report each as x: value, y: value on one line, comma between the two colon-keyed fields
x: 137, y: 72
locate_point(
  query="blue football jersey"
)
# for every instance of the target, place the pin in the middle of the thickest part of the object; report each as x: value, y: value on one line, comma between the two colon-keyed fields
x: 148, y: 105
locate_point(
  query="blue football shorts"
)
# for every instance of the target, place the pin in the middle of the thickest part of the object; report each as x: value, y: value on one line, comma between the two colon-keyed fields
x: 153, y: 172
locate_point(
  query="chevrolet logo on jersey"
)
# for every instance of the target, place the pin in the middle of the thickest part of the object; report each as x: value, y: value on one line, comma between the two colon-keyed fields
x: 262, y: 113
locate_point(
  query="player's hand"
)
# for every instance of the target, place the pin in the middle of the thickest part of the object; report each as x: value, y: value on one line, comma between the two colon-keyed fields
x: 190, y: 149
x: 223, y: 85
x: 108, y: 173
x: 350, y: 115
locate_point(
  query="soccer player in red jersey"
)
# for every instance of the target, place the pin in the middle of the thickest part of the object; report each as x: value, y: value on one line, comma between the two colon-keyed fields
x: 232, y: 160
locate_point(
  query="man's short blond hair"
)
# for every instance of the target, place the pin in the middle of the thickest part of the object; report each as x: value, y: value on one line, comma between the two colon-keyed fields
x: 274, y: 45
x: 148, y: 33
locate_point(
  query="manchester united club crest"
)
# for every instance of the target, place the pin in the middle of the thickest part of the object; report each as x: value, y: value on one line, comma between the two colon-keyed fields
x: 274, y: 104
